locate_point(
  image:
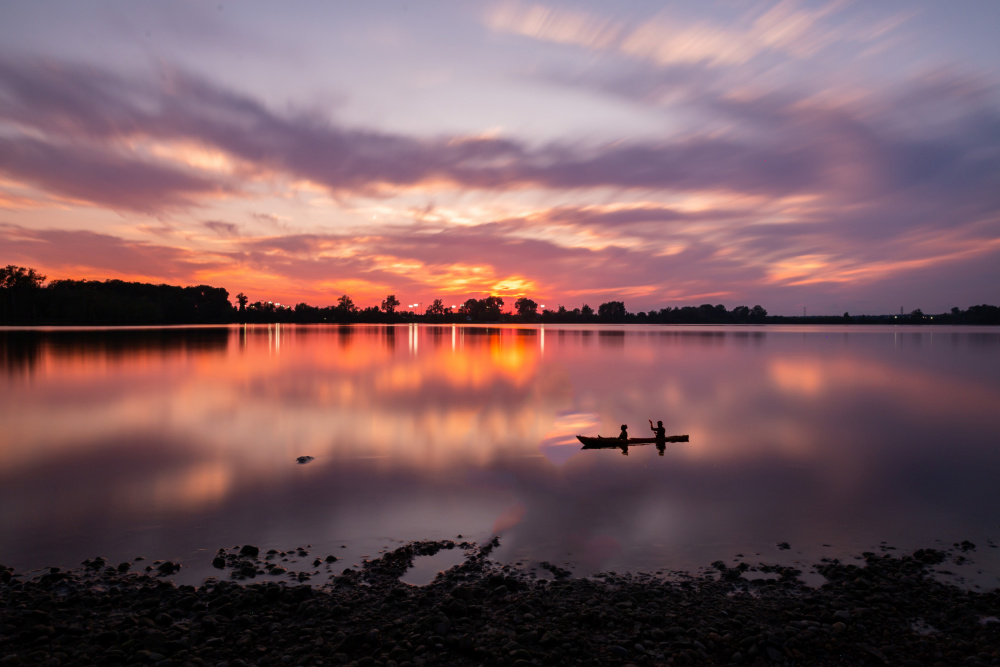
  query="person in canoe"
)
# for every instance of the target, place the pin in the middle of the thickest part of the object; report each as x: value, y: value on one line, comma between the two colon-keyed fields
x: 624, y: 434
x: 659, y: 432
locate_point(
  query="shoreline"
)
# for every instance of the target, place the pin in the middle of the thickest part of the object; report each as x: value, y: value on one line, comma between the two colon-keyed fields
x: 887, y: 610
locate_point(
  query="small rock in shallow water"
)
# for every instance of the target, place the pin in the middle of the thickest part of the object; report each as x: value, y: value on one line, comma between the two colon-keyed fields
x: 249, y: 550
x: 168, y: 568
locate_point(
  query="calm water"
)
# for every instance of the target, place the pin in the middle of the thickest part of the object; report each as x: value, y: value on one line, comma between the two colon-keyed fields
x: 171, y: 443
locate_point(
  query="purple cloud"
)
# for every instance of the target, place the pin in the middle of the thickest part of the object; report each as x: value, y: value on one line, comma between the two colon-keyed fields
x: 802, y: 150
x: 67, y: 253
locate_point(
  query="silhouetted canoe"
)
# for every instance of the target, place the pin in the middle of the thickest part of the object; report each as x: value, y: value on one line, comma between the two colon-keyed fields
x: 600, y: 441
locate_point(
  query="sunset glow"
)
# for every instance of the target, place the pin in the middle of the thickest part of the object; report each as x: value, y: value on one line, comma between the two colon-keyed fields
x: 835, y: 156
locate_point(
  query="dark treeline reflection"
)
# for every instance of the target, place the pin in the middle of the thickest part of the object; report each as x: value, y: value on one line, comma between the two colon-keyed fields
x: 20, y: 350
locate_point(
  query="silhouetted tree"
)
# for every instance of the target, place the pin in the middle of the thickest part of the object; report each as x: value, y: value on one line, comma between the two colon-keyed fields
x: 612, y: 311
x: 345, y: 305
x: 492, y: 306
x: 587, y: 312
x: 757, y: 314
x: 471, y: 308
x: 526, y: 308
x: 17, y: 282
x: 20, y: 277
x: 437, y: 309
x: 487, y: 309
x: 242, y: 299
x: 389, y: 304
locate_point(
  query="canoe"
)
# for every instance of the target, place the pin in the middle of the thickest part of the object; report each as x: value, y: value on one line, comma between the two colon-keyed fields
x: 600, y: 441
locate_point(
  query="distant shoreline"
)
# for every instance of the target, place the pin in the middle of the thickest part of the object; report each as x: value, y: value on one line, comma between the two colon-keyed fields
x: 82, y: 326
x: 26, y: 301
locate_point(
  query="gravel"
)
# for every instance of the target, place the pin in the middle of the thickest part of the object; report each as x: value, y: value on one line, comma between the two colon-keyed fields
x: 885, y: 610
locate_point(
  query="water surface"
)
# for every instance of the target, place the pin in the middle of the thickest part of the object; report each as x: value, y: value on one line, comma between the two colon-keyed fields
x: 171, y: 443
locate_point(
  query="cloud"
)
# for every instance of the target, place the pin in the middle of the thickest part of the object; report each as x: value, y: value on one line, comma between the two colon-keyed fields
x: 799, y: 148
x: 96, y: 175
x: 79, y: 254
x: 771, y: 190
x: 222, y: 228
x: 783, y: 28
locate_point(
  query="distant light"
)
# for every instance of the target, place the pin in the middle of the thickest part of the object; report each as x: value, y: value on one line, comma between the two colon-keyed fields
x: 543, y: 305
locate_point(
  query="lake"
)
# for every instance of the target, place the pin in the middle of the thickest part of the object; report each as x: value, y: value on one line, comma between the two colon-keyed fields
x: 173, y: 442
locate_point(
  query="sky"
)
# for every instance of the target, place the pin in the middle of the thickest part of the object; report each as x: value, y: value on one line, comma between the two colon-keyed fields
x: 818, y: 157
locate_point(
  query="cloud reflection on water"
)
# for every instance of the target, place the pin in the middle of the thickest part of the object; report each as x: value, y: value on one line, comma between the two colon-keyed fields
x: 184, y: 440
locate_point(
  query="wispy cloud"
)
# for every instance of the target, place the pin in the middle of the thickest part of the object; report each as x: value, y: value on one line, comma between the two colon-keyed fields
x: 785, y: 28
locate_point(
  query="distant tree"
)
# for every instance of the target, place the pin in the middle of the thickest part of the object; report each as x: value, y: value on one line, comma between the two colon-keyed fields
x: 917, y: 315
x: 437, y: 309
x: 345, y: 304
x: 17, y: 282
x: 526, y: 308
x: 587, y: 311
x: 487, y: 309
x: 263, y: 307
x: 612, y: 311
x: 19, y: 277
x: 741, y: 314
x: 389, y: 304
x: 492, y: 306
x: 242, y: 299
x: 471, y: 308
x: 757, y: 313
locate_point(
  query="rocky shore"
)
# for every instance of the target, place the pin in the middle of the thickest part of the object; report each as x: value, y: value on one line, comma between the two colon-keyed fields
x: 881, y: 610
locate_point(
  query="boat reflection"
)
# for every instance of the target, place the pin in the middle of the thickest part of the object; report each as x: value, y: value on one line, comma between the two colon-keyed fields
x: 601, y: 442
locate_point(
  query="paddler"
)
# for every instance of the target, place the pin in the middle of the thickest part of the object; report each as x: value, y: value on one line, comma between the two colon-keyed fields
x: 658, y: 431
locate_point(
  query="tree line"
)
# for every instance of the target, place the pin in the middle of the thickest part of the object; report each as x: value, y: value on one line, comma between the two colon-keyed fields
x: 25, y: 299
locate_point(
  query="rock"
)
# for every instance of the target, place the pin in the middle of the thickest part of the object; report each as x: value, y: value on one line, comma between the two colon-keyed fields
x: 302, y: 460
x: 249, y: 550
x: 365, y: 616
x: 167, y: 568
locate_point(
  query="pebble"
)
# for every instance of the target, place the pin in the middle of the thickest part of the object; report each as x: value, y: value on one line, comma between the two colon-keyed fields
x: 483, y: 612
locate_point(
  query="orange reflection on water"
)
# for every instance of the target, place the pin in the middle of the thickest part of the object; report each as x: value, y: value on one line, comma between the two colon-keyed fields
x: 443, y: 428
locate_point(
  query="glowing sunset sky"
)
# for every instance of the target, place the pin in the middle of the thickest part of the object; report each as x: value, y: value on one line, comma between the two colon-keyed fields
x: 840, y: 156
